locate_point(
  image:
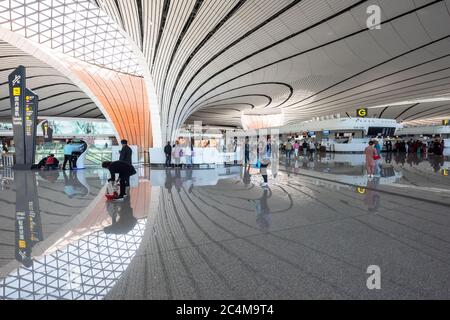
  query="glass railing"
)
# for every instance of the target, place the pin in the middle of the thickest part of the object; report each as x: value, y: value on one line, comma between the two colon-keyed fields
x: 95, y: 155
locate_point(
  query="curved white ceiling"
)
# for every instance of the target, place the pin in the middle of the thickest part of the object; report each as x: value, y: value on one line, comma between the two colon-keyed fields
x: 73, y: 27
x: 58, y: 95
x: 212, y: 59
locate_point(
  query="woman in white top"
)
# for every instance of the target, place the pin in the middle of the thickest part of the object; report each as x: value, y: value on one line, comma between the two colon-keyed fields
x: 177, y: 154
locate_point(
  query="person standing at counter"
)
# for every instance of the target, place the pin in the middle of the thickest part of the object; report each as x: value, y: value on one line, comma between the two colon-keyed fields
x: 68, y: 155
x: 126, y: 154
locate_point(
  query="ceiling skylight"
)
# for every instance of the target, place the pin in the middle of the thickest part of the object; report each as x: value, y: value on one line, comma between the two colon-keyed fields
x: 77, y: 28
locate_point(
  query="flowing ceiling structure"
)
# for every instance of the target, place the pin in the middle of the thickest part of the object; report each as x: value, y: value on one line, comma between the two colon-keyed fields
x: 59, y: 96
x: 85, y: 45
x: 210, y: 60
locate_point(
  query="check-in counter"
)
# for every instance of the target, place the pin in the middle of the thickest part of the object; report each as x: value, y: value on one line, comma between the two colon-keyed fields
x: 354, y: 146
x: 201, y: 156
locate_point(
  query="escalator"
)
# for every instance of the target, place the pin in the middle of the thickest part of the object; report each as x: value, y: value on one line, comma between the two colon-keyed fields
x: 94, y: 157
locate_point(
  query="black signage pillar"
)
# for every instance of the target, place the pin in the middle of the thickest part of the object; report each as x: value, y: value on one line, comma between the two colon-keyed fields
x: 17, y: 87
x: 24, y: 109
x: 28, y: 219
x: 31, y: 111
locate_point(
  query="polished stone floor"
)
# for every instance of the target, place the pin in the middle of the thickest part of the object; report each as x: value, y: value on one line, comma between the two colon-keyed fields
x: 216, y: 234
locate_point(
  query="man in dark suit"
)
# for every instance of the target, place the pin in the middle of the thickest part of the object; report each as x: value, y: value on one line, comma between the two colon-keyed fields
x: 124, y: 170
x: 126, y: 154
x: 168, y: 153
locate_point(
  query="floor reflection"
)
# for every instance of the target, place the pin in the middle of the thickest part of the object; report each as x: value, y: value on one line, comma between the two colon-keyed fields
x: 122, y: 216
x: 217, y: 234
x: 187, y: 179
x: 304, y: 237
x: 263, y: 214
x: 60, y: 239
x: 399, y: 168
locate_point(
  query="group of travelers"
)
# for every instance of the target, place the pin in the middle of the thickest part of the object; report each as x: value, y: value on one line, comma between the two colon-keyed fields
x: 50, y: 162
x: 177, y: 152
x: 419, y: 147
x: 298, y: 148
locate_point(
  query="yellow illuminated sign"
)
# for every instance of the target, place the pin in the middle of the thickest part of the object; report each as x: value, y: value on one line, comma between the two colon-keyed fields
x: 445, y: 122
x: 16, y: 92
x: 361, y: 190
x: 22, y: 244
x: 362, y: 113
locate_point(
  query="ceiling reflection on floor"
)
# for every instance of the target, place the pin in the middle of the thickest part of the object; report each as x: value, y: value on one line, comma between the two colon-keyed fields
x: 60, y: 239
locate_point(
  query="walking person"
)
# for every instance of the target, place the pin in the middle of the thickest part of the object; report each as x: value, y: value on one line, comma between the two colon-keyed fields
x: 265, y: 162
x: 371, y: 155
x: 247, y: 151
x: 124, y: 170
x: 68, y: 155
x: 312, y: 147
x: 269, y: 148
x: 377, y: 147
x: 296, y: 149
x: 288, y: 148
x: 168, y: 153
x: 305, y: 147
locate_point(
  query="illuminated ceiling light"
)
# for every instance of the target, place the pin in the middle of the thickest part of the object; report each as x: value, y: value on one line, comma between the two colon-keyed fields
x: 262, y: 119
x: 409, y: 102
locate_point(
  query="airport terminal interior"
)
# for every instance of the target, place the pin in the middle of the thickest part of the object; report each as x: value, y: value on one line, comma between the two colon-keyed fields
x: 224, y: 149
